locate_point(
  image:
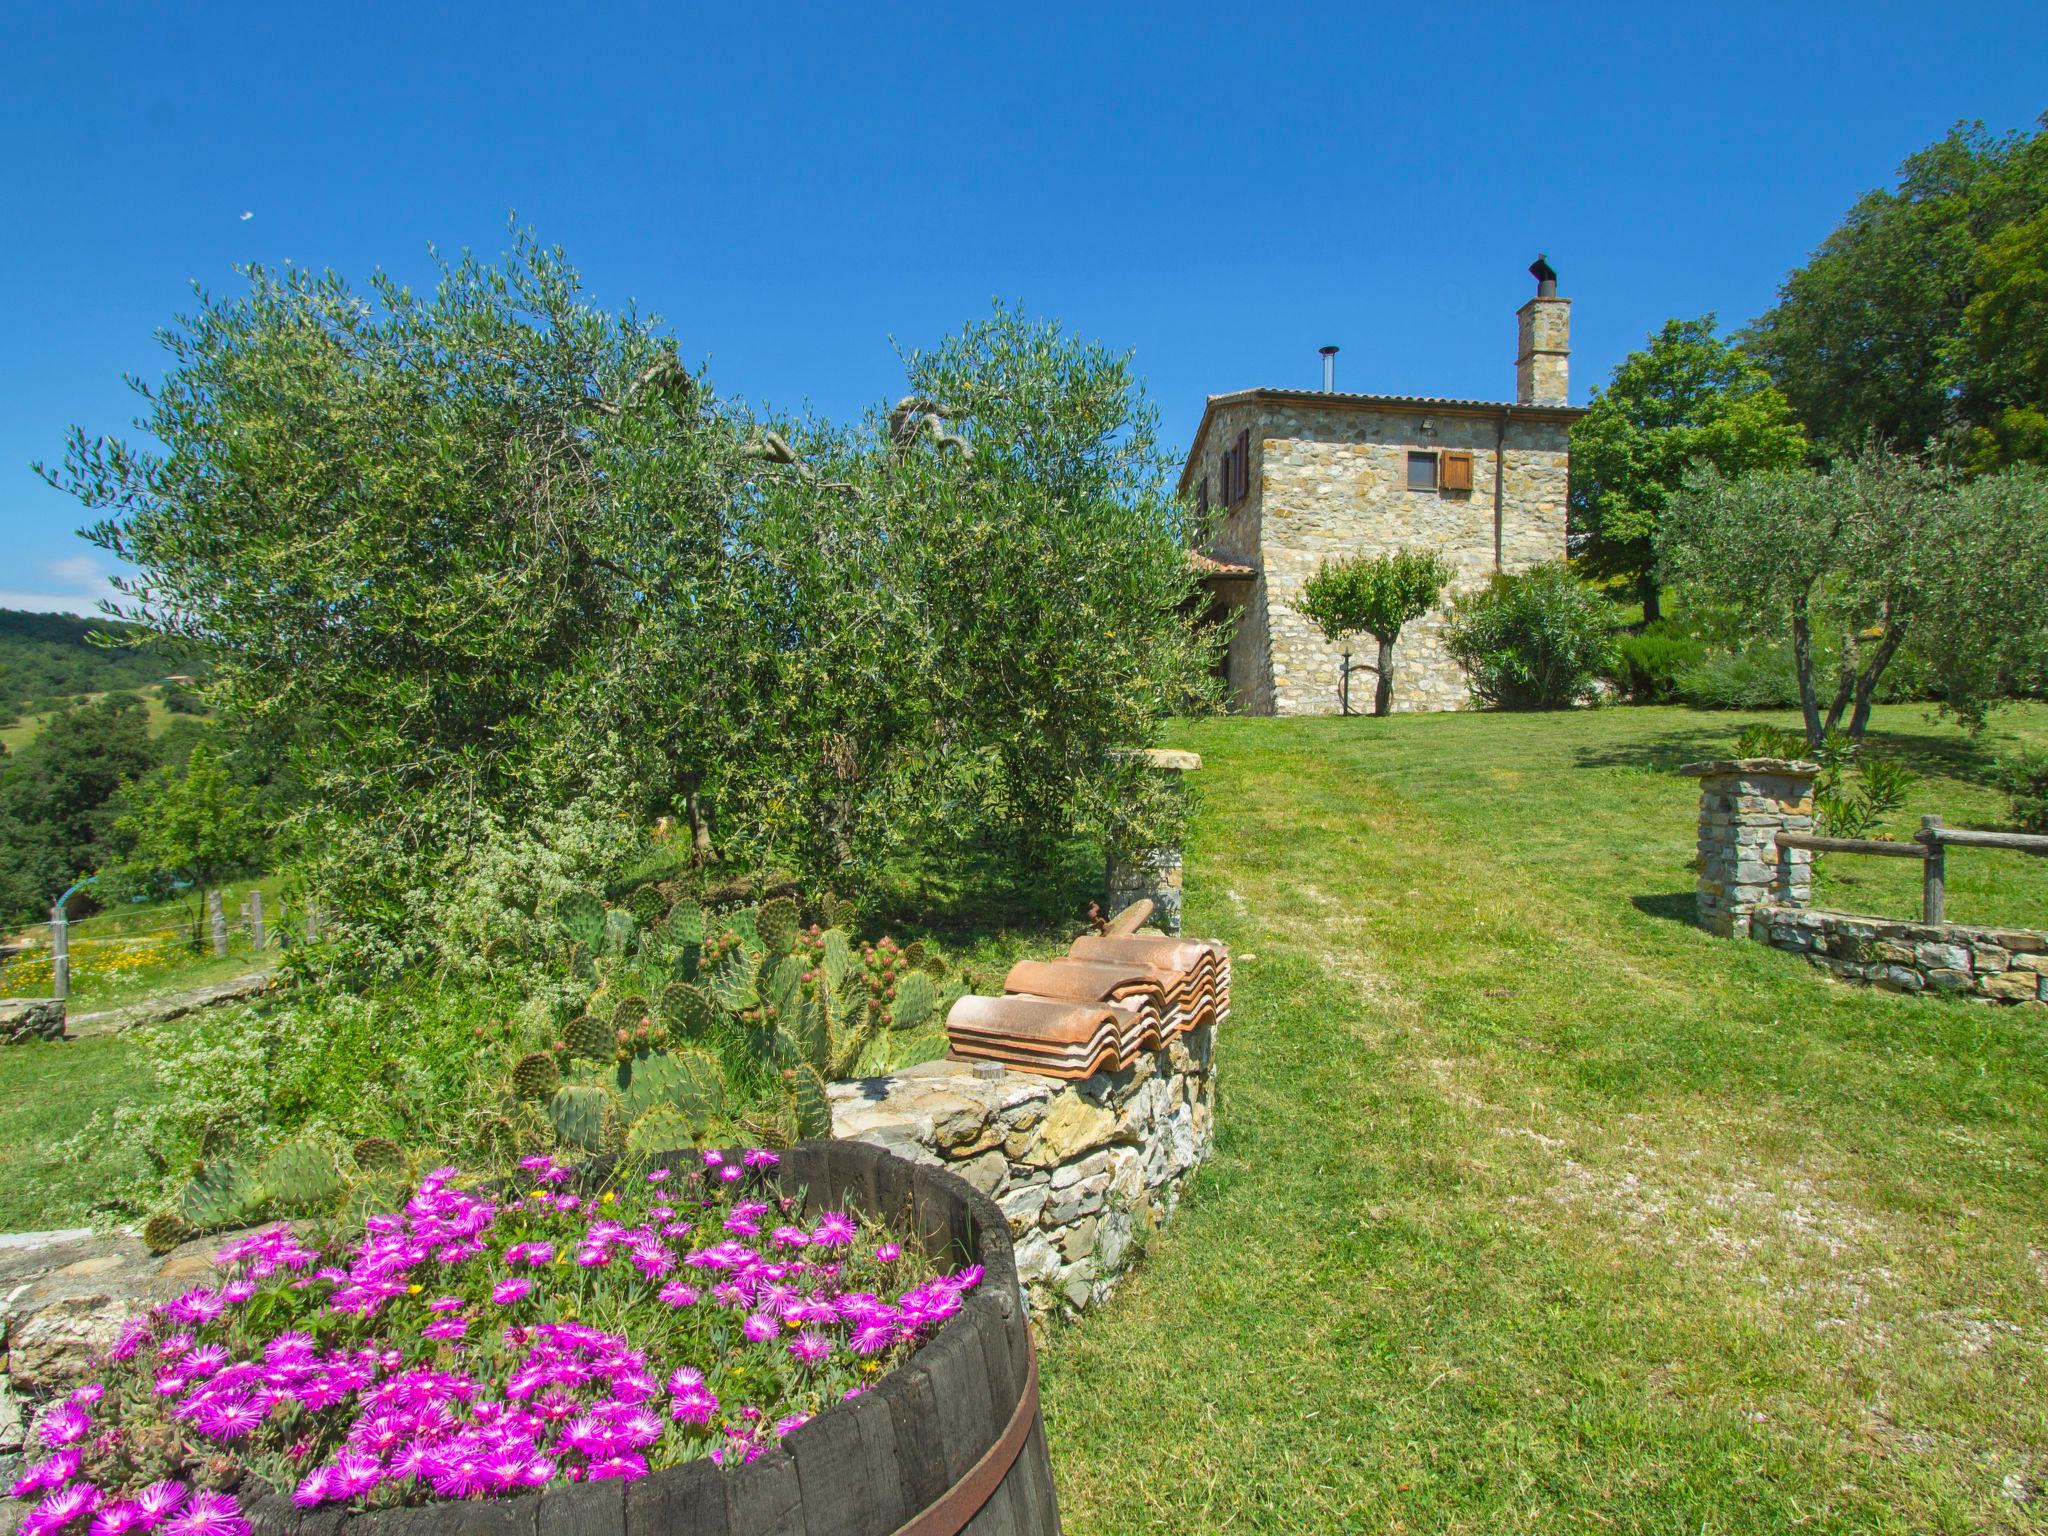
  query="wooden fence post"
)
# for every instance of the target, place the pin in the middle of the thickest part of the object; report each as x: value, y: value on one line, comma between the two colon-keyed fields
x: 312, y: 921
x: 217, y: 921
x: 256, y: 920
x: 60, y: 954
x: 1934, y: 883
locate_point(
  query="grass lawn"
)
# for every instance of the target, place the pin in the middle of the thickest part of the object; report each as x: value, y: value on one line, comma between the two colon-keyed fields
x: 25, y: 729
x: 47, y: 1093
x: 1535, y: 1208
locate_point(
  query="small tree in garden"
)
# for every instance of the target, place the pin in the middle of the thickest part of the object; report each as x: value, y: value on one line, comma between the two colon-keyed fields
x: 1535, y: 640
x: 198, y: 824
x: 1882, y: 546
x: 1373, y: 595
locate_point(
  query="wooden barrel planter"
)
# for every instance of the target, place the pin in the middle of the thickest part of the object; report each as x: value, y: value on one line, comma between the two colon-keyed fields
x: 949, y: 1442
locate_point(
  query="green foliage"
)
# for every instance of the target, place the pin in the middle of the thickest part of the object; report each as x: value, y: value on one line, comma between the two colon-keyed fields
x: 1536, y: 640
x: 582, y: 918
x: 2024, y: 778
x: 1375, y: 595
x: 1853, y: 792
x: 1648, y: 666
x: 58, y: 802
x: 196, y: 823
x: 1916, y: 319
x: 379, y: 1154
x: 583, y: 1115
x: 1686, y: 398
x: 1877, y: 549
x: 47, y: 657
x: 813, y: 1109
x: 2006, y: 325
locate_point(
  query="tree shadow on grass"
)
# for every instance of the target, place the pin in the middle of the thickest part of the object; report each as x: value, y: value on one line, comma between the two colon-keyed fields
x: 1672, y: 906
x: 1932, y: 754
x: 1665, y: 752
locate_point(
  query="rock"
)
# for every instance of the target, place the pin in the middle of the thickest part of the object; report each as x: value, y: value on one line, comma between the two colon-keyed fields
x: 988, y: 1173
x: 30, y: 1018
x: 1037, y: 1258
x: 1946, y: 980
x: 1112, y: 1242
x: 1023, y: 1205
x: 1070, y: 1127
x: 13, y: 1421
x: 1078, y: 1241
x: 1949, y: 957
x: 2018, y: 986
x: 1989, y: 959
x: 1069, y: 1174
x: 1126, y: 1176
x: 1903, y: 979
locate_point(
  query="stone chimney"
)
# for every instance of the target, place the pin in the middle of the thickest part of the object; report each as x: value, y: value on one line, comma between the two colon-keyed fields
x: 1545, y: 342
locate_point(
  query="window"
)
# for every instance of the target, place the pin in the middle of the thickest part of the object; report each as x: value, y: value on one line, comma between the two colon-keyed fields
x: 1421, y: 471
x: 1202, y: 495
x: 1457, y: 470
x: 1237, y: 470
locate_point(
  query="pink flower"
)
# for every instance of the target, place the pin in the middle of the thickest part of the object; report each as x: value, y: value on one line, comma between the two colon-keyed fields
x: 677, y: 1294
x: 624, y: 1467
x: 811, y: 1348
x: 505, y: 1292
x: 788, y: 1422
x: 657, y: 1176
x: 756, y: 1158
x: 835, y: 1229
x: 52, y: 1472
x: 732, y: 1175
x: 889, y: 1253
x: 65, y: 1424
x: 447, y: 1328
x: 209, y: 1514
x: 759, y: 1328
x: 116, y: 1519
x: 158, y: 1500
x: 445, y: 1304
x: 60, y: 1509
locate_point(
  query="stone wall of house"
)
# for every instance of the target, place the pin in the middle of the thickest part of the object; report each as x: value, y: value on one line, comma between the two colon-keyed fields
x: 1083, y: 1170
x: 1333, y: 481
x: 2000, y: 965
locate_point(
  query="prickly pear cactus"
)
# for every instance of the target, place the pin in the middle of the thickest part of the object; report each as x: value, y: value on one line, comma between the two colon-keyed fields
x: 686, y: 922
x: 689, y: 1081
x: 590, y: 1039
x: 298, y: 1178
x: 914, y: 953
x: 835, y: 911
x: 536, y: 1076
x: 620, y: 933
x: 646, y: 904
x: 776, y: 924
x: 770, y: 1128
x: 783, y: 994
x: 732, y: 982
x: 380, y: 1154
x: 660, y: 1130
x: 813, y: 1109
x: 687, y: 1012
x: 580, y: 964
x: 630, y: 1010
x: 581, y: 917
x: 583, y: 1115
x: 220, y: 1195
x: 916, y: 1000
x: 164, y: 1231
x: 835, y: 957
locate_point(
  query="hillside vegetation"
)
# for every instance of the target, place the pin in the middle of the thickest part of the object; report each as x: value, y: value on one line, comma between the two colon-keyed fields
x: 46, y: 657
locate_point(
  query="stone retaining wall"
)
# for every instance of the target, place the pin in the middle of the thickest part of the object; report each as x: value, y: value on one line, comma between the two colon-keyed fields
x: 30, y: 1018
x: 1082, y: 1170
x: 2000, y: 965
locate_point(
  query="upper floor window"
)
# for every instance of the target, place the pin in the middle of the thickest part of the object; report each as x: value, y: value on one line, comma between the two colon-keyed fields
x: 1237, y: 470
x: 1422, y: 471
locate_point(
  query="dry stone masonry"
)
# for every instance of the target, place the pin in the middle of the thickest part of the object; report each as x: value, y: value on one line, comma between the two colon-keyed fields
x: 30, y: 1018
x: 1744, y: 804
x: 2000, y: 965
x: 1083, y: 1170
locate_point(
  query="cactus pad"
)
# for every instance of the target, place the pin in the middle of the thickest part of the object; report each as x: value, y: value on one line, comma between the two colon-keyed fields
x: 646, y: 904
x: 164, y: 1231
x: 776, y: 923
x: 580, y: 1114
x: 298, y: 1178
x: 590, y: 1039
x: 220, y: 1195
x: 687, y: 1012
x: 916, y: 1000
x: 813, y: 1109
x: 379, y: 1154
x: 581, y: 917
x: 658, y: 1131
x: 536, y: 1076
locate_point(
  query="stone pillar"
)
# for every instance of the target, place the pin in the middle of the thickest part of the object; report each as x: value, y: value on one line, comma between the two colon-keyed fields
x: 1744, y: 804
x: 1152, y: 873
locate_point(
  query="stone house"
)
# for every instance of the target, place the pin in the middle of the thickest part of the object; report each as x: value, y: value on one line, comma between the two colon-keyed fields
x: 1299, y: 476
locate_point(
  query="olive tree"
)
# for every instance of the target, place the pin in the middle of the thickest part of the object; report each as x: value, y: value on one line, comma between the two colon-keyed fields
x: 1375, y: 595
x: 1885, y: 547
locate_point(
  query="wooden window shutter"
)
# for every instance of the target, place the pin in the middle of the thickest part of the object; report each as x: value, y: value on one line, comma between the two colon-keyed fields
x: 1202, y: 495
x: 1457, y: 471
x: 1244, y: 464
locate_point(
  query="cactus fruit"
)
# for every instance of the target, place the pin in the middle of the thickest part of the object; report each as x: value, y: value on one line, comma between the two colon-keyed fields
x: 220, y: 1195
x: 164, y: 1231
x: 687, y: 1012
x: 536, y: 1076
x: 916, y: 1000
x: 629, y: 1010
x: 379, y: 1154
x: 776, y: 923
x: 590, y: 1039
x: 813, y: 1109
x: 580, y: 916
x: 581, y: 1115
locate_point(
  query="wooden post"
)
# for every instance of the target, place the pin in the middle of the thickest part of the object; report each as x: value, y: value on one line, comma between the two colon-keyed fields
x: 60, y: 954
x: 217, y: 920
x: 1934, y: 884
x: 256, y: 920
x: 312, y: 921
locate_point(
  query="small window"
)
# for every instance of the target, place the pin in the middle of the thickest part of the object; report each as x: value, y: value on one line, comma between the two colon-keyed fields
x: 1202, y: 496
x: 1421, y: 471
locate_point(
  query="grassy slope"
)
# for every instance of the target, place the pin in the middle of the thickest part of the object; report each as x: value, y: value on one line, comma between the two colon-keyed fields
x: 48, y: 1093
x: 24, y: 730
x: 1536, y: 1208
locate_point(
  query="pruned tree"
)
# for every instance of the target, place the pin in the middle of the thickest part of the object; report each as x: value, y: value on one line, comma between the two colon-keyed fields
x: 1375, y: 595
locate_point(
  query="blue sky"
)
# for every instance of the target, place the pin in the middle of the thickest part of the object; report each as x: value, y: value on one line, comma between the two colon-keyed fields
x: 1220, y: 189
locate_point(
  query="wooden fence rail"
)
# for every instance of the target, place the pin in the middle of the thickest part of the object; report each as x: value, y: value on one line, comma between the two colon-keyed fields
x: 1929, y: 845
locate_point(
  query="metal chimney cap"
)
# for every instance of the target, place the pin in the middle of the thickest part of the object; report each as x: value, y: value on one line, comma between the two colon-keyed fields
x: 1545, y: 275
x: 1327, y: 351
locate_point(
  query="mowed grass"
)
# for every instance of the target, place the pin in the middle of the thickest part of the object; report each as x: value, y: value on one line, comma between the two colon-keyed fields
x: 48, y: 1093
x: 1537, y: 1209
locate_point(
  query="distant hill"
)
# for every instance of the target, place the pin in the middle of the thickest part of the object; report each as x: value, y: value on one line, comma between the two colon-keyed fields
x: 49, y: 656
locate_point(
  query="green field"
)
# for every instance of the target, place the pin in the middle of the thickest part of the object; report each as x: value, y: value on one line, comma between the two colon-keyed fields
x: 18, y: 735
x: 1535, y: 1208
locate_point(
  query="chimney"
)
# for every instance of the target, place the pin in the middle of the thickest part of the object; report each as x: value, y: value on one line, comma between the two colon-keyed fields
x: 1542, y: 375
x: 1329, y: 369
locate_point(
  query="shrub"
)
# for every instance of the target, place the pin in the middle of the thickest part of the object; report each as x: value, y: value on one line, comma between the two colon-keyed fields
x: 1531, y: 641
x: 1647, y: 665
x: 455, y: 1351
x: 2024, y: 778
x: 1759, y: 676
x: 1374, y: 595
x: 1842, y: 806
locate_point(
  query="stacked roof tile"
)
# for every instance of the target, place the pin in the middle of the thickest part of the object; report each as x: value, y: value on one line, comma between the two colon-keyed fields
x: 1110, y: 997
